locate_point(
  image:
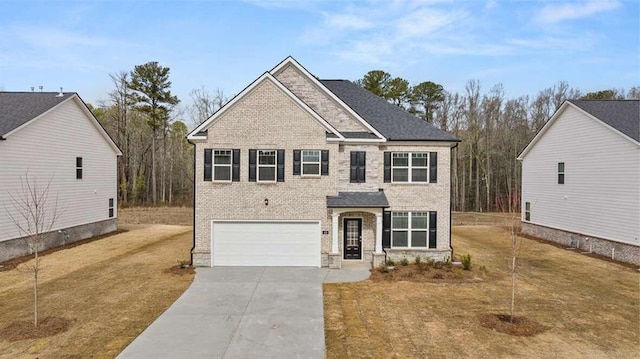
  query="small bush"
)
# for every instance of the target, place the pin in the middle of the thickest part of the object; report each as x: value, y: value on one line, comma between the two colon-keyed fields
x: 466, y: 261
x: 439, y: 265
x: 383, y: 268
x: 418, y: 260
x: 430, y: 262
x: 183, y: 263
x: 404, y: 261
x: 390, y: 262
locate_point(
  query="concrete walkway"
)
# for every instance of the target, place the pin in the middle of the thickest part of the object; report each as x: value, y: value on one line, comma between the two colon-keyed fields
x: 244, y: 312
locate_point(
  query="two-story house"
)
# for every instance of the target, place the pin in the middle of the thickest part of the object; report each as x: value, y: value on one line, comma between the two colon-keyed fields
x: 296, y: 171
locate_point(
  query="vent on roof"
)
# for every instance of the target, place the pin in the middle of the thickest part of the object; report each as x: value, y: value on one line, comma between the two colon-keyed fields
x: 60, y: 94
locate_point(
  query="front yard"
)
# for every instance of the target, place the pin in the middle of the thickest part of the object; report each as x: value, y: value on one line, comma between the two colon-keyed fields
x: 590, y: 307
x: 109, y: 290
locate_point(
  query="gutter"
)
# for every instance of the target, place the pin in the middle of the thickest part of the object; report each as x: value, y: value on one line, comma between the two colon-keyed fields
x: 2, y: 138
x: 194, y: 203
x: 451, y: 209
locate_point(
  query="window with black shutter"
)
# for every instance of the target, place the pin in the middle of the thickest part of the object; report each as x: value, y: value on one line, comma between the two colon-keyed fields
x: 358, y: 167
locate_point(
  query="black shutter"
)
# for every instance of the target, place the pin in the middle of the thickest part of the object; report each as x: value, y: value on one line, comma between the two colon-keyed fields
x: 296, y: 162
x: 354, y: 167
x: 324, y: 164
x: 280, y: 166
x: 433, y: 225
x: 252, y: 165
x: 235, y: 169
x: 362, y: 166
x: 433, y: 167
x: 207, y: 164
x: 387, y: 167
x: 386, y: 229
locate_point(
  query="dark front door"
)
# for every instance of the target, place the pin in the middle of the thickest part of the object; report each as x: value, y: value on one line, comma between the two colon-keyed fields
x: 352, y: 238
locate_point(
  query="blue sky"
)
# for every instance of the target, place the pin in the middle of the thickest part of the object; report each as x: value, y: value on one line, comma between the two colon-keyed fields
x: 525, y: 45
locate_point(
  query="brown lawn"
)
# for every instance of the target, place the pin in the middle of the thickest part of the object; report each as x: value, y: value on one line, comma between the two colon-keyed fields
x: 591, y: 307
x: 109, y: 290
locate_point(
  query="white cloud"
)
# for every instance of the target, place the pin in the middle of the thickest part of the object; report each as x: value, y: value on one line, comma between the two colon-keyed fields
x: 427, y: 21
x: 346, y: 21
x: 555, y: 13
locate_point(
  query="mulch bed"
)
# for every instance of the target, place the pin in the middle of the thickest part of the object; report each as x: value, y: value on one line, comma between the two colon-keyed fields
x: 424, y: 272
x: 12, y: 263
x: 179, y: 270
x: 24, y: 329
x: 521, y: 326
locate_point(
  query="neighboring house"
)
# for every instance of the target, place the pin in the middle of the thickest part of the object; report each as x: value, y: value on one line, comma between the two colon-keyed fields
x: 296, y: 171
x: 53, y: 137
x: 581, y: 178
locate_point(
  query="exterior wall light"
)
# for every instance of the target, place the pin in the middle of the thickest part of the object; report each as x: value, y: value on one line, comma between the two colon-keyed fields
x: 266, y: 201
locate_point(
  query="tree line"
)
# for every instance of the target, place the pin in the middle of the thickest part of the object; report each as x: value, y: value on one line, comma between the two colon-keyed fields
x: 156, y: 167
x: 494, y: 129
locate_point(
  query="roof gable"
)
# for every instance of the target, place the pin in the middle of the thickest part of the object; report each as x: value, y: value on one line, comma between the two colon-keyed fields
x: 625, y: 122
x: 19, y: 109
x: 197, y: 133
x: 393, y: 122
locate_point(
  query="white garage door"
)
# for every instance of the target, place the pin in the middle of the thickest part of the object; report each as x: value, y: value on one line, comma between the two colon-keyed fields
x: 265, y: 243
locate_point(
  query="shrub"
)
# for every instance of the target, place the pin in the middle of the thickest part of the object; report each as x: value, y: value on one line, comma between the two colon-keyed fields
x: 430, y: 262
x: 466, y: 261
x: 404, y: 261
x: 390, y: 262
x: 418, y: 260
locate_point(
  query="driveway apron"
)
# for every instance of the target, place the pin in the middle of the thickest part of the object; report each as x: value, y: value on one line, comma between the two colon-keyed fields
x: 241, y: 312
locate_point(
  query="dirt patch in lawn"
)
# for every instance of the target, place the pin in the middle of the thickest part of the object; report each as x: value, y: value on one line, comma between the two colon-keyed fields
x: 519, y: 326
x: 180, y: 270
x: 425, y: 272
x: 110, y: 290
x: 586, y: 308
x: 24, y: 329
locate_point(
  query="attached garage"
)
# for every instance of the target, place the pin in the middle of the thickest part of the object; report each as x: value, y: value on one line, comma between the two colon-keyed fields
x: 265, y: 243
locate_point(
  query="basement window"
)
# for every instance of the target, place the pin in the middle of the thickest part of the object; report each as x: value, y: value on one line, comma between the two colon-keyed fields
x: 560, y: 172
x: 78, y: 167
x: 527, y: 211
x: 110, y: 207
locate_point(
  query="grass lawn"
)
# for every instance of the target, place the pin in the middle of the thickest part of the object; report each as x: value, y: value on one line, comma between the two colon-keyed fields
x: 110, y: 289
x: 591, y: 307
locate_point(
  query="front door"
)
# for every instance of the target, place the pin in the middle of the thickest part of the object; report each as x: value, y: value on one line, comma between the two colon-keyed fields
x: 352, y: 229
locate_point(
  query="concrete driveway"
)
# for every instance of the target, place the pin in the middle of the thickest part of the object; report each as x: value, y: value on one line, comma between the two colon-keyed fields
x: 244, y: 312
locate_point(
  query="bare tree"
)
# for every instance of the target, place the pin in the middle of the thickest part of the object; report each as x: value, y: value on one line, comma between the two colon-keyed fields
x: 516, y: 243
x: 205, y: 104
x: 33, y: 216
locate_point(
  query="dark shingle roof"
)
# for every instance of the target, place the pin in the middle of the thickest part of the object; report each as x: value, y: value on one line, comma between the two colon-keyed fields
x: 18, y: 108
x: 623, y: 115
x: 391, y: 121
x: 357, y: 199
x: 359, y: 135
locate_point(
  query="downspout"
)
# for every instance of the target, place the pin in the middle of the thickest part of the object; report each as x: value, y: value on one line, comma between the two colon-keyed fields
x: 194, y: 202
x: 451, y: 207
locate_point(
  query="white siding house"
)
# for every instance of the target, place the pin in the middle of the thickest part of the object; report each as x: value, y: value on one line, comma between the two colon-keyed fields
x: 581, y: 178
x: 54, y: 137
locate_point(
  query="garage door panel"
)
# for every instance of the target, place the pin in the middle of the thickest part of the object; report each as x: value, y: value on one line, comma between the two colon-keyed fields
x: 266, y: 243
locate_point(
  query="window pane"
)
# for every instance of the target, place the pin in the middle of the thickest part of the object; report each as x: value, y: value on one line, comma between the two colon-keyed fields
x: 78, y: 161
x: 311, y: 156
x: 561, y: 178
x: 311, y: 169
x: 266, y: 174
x: 419, y: 159
x: 79, y: 173
x: 418, y: 238
x: 419, y: 175
x: 400, y: 159
x: 221, y: 173
x: 267, y: 157
x: 561, y: 167
x: 400, y: 239
x: 400, y: 175
x: 418, y: 222
x: 400, y: 222
x: 222, y: 157
x: 527, y: 205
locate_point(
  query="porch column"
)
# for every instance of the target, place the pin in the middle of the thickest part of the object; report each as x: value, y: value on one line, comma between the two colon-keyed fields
x: 378, y: 232
x: 334, y: 232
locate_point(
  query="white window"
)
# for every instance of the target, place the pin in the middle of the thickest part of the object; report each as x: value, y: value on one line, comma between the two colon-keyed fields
x: 527, y: 211
x: 410, y: 167
x: 311, y: 163
x: 222, y: 165
x: 267, y: 165
x: 409, y: 229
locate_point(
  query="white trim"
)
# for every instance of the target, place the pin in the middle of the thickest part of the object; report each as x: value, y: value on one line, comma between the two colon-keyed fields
x: 555, y: 117
x: 341, y: 210
x: 265, y: 77
x: 284, y: 220
x: 84, y: 109
x: 291, y: 61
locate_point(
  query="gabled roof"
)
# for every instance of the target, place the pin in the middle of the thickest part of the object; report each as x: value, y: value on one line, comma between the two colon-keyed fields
x: 620, y: 116
x: 198, y: 132
x: 390, y: 120
x: 18, y: 108
x: 358, y: 199
x: 623, y: 115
